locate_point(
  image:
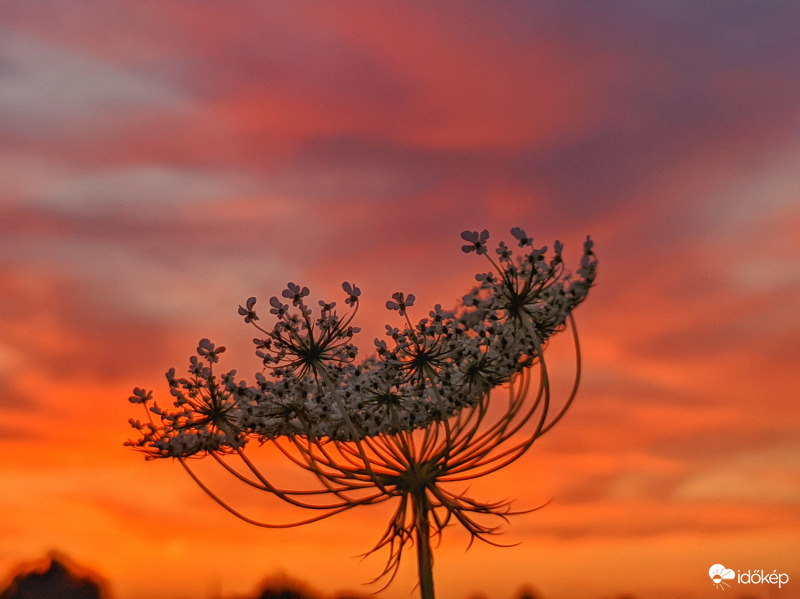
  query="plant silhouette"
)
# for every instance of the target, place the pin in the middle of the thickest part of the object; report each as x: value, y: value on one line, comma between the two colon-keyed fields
x: 459, y: 395
x: 54, y: 579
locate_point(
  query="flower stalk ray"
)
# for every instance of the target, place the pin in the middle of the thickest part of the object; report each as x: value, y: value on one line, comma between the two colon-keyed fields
x: 408, y: 425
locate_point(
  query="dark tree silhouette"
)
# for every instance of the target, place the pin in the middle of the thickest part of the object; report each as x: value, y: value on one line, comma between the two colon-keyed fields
x: 53, y: 580
x: 527, y: 592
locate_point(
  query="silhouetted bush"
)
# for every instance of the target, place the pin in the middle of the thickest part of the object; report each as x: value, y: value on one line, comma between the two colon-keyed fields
x: 52, y: 579
x: 527, y: 592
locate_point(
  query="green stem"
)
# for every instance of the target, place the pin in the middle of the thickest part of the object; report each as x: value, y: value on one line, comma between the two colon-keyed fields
x: 424, y: 554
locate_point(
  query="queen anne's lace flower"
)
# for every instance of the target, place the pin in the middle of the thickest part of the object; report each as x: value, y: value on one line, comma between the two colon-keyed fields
x: 351, y: 423
x: 400, y: 302
x: 248, y: 312
x: 477, y: 241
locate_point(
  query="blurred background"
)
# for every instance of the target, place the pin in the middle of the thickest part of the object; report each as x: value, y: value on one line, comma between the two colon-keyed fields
x: 162, y: 161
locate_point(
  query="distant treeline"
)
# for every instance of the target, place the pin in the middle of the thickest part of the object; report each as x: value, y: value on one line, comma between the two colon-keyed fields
x: 56, y: 577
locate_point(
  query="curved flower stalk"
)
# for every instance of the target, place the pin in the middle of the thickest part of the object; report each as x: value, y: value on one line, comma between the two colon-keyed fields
x: 455, y: 396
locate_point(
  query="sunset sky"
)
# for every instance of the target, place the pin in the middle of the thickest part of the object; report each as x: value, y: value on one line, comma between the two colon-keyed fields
x: 161, y: 161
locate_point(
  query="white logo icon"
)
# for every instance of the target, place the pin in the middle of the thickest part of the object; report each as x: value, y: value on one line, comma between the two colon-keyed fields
x: 719, y: 574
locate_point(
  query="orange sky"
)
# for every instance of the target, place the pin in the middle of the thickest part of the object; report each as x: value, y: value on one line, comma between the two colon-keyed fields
x: 163, y: 161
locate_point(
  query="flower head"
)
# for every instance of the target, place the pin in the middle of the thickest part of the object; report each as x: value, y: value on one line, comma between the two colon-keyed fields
x: 248, y: 312
x: 348, y: 422
x: 295, y: 293
x: 477, y: 241
x: 522, y: 238
x: 209, y: 351
x: 352, y: 292
x: 140, y: 395
x: 401, y: 302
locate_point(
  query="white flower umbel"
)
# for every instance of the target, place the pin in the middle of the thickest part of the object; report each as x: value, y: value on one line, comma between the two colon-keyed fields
x: 407, y: 424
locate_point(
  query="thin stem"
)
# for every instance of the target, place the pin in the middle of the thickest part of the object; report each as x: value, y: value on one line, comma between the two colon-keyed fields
x: 423, y: 540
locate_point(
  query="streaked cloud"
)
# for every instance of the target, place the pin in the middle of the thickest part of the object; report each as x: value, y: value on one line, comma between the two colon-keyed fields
x: 49, y: 90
